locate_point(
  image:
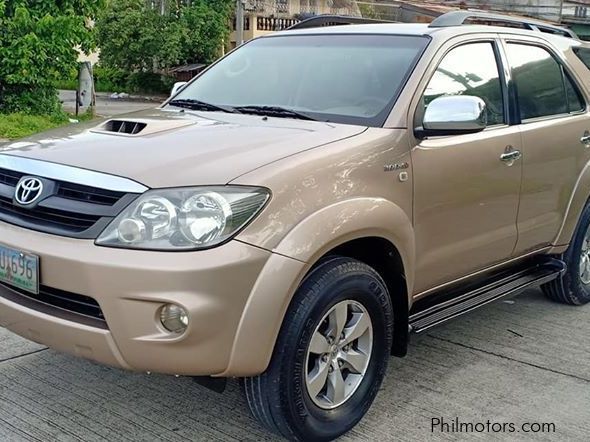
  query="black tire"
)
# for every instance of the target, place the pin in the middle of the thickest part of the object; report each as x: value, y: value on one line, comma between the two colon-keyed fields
x: 278, y: 398
x: 569, y: 288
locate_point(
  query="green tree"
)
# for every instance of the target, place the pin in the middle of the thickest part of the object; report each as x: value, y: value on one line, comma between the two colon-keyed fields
x: 135, y: 36
x: 38, y: 41
x: 206, y: 28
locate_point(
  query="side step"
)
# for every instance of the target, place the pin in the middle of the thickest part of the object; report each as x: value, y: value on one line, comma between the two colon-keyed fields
x: 459, y: 301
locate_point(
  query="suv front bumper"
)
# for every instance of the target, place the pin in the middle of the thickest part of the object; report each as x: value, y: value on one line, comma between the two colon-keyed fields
x: 130, y: 287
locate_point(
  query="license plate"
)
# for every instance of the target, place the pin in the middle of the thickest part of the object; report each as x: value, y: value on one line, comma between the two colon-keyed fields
x: 19, y: 269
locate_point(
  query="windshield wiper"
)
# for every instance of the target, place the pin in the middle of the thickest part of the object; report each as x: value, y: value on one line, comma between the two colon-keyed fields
x: 191, y: 103
x: 274, y: 111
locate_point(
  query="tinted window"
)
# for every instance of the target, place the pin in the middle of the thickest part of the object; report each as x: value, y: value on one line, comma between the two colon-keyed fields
x: 543, y: 88
x: 574, y: 98
x: 584, y: 55
x: 470, y: 69
x: 340, y: 78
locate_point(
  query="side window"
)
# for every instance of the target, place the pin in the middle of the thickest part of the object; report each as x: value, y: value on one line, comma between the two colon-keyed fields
x: 584, y: 55
x: 470, y: 69
x: 574, y: 98
x: 543, y: 88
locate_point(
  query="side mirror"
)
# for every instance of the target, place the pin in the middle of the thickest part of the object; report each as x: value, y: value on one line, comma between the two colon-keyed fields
x: 178, y: 86
x: 454, y: 115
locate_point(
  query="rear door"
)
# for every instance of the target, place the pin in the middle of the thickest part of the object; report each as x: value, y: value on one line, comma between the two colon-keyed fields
x: 554, y: 123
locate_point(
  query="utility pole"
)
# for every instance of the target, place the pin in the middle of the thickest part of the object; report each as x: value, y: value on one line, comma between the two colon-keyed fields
x: 239, y: 22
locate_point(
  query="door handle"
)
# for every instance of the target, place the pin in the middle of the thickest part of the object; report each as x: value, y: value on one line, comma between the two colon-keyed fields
x: 585, y: 140
x: 510, y: 155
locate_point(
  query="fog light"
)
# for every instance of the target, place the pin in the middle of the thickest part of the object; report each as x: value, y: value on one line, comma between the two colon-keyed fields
x: 174, y: 318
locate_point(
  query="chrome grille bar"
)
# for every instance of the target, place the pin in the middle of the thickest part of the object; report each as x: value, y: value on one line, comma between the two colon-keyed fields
x: 70, y: 174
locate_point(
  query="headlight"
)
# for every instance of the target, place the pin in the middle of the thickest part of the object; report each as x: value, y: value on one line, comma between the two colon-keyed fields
x: 184, y: 218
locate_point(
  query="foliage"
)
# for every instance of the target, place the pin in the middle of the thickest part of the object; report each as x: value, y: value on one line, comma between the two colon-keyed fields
x: 206, y: 26
x: 31, y: 99
x: 135, y: 37
x: 367, y: 11
x: 150, y: 83
x: 379, y: 11
x: 19, y: 125
x: 105, y: 80
x: 38, y: 41
x: 69, y: 82
x: 108, y: 79
x: 87, y: 115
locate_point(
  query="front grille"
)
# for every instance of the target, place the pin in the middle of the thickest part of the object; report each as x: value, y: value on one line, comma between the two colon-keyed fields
x: 41, y: 216
x: 9, y: 177
x: 80, y: 308
x: 87, y: 194
x: 73, y: 209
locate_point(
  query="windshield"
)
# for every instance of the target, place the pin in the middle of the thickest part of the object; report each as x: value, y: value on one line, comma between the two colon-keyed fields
x: 352, y: 79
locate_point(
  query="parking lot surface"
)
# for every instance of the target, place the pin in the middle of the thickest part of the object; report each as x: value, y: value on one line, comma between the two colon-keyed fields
x: 525, y: 360
x: 107, y: 106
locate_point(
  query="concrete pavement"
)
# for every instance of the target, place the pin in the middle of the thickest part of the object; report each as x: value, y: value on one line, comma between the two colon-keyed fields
x: 107, y: 107
x: 521, y: 360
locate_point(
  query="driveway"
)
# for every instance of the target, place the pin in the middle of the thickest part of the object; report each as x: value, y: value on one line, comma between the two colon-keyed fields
x: 107, y: 106
x: 524, y: 360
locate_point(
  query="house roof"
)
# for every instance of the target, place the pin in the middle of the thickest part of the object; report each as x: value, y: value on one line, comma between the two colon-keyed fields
x: 188, y: 67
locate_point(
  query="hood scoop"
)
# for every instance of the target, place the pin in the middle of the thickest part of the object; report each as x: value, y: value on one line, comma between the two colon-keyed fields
x: 132, y: 127
x: 124, y: 127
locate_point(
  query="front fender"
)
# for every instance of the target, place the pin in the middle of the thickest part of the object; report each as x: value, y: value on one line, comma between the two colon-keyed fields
x: 292, y: 258
x: 348, y: 220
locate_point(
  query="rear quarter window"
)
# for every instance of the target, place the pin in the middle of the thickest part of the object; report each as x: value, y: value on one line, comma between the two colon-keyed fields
x: 584, y: 55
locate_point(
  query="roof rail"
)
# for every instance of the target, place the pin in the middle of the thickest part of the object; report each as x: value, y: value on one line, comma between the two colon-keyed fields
x: 458, y: 18
x: 319, y: 21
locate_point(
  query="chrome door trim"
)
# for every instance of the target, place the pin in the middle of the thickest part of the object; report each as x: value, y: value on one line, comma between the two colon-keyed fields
x: 70, y: 174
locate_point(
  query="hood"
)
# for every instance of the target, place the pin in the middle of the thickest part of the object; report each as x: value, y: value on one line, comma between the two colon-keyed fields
x: 168, y: 148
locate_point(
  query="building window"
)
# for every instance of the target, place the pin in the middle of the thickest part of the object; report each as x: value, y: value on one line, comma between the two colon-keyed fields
x: 282, y: 6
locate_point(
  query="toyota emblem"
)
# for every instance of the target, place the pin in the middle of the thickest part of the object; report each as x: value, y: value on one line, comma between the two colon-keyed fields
x: 28, y: 190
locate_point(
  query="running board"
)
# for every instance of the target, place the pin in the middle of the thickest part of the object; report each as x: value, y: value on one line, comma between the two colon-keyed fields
x: 458, y: 302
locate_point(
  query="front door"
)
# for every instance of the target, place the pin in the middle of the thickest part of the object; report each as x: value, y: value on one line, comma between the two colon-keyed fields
x: 466, y: 194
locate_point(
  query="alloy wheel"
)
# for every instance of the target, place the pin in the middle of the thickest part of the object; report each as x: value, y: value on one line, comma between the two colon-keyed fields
x: 338, y: 354
x: 585, y: 259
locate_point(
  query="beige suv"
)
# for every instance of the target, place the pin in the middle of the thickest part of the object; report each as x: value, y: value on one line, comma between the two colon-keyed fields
x: 295, y: 212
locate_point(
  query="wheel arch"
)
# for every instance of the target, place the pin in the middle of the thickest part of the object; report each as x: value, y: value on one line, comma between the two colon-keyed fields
x: 578, y: 200
x: 358, y: 227
x: 385, y: 259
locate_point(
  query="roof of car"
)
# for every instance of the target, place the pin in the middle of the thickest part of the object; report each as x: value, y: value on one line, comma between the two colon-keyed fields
x: 419, y: 29
x: 457, y: 22
x: 373, y: 28
x: 406, y: 29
